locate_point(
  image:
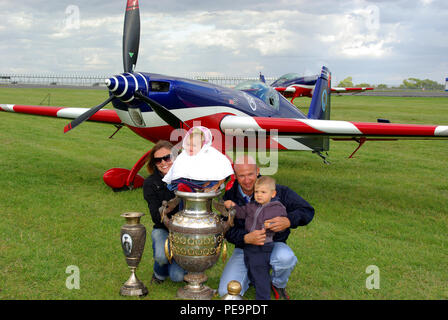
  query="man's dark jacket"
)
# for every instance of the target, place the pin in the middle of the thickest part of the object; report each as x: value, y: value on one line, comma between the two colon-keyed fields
x: 299, y: 212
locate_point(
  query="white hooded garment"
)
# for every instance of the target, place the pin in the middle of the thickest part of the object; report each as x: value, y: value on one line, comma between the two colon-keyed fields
x: 207, y: 165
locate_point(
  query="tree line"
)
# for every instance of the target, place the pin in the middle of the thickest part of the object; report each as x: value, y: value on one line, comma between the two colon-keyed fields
x: 410, y: 83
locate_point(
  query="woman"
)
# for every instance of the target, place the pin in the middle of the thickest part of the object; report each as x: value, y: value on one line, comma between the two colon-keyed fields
x: 155, y: 191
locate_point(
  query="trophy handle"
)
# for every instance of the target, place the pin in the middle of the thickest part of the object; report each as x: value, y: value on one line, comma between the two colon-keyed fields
x: 167, y: 206
x: 168, y: 252
x: 229, y: 213
x: 224, y: 251
x: 229, y: 223
x: 232, y: 213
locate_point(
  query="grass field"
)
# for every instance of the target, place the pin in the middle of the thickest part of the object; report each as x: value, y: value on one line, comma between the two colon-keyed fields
x: 387, y: 207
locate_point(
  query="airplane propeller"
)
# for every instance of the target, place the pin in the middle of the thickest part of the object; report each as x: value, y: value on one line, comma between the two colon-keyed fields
x: 86, y: 115
x: 131, y: 43
x: 131, y: 36
x: 163, y: 112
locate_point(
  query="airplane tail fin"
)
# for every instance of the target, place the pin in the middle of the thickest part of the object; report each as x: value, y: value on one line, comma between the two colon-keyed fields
x: 262, y: 79
x: 320, y: 103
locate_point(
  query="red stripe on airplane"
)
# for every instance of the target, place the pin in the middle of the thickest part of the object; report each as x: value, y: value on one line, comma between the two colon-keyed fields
x: 38, y: 110
x: 394, y: 129
x: 285, y: 125
x: 106, y: 116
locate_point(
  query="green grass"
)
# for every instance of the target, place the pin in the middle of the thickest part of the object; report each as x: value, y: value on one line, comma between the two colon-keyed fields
x: 386, y: 207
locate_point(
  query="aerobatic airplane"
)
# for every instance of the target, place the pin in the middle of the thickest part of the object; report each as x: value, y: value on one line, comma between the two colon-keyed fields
x: 153, y: 105
x: 292, y: 85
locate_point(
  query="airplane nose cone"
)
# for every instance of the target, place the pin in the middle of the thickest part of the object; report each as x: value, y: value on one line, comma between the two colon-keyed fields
x: 123, y: 86
x: 111, y: 84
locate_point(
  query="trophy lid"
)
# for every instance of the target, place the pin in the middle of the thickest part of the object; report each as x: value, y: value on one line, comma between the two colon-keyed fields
x: 132, y: 217
x: 234, y: 287
x: 233, y: 291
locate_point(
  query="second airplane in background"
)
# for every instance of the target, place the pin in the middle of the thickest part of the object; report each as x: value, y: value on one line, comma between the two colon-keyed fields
x: 292, y: 85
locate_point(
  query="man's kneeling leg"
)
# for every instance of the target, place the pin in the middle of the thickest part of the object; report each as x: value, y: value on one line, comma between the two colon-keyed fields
x: 283, y: 261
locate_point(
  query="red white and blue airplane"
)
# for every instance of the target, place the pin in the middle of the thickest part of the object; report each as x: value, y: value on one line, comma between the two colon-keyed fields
x: 153, y: 105
x: 293, y: 85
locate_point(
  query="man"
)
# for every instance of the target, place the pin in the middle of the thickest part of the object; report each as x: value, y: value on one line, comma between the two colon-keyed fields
x: 283, y: 259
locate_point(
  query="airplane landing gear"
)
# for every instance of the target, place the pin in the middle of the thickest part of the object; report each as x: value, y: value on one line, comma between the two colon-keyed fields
x: 324, y: 157
x: 120, y: 179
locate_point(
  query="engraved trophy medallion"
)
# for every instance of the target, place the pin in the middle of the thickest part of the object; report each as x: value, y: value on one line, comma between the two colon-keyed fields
x: 195, y: 241
x: 133, y: 237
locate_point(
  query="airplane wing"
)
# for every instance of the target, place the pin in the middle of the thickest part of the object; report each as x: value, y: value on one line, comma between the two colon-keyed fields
x: 335, y: 129
x: 105, y: 115
x: 347, y: 90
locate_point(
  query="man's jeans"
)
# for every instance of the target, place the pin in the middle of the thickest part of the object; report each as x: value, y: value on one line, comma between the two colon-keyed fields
x: 282, y: 261
x: 162, y: 268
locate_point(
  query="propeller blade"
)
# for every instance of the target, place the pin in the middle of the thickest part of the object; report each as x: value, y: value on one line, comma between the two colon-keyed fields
x: 163, y: 112
x: 86, y: 115
x: 131, y: 35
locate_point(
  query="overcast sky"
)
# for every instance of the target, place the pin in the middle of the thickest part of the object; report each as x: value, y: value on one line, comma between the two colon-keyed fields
x: 372, y: 41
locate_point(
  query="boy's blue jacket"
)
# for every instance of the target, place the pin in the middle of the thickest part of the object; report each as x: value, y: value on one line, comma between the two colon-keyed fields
x: 299, y: 212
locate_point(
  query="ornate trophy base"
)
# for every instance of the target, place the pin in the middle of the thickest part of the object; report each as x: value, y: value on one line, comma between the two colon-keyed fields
x: 195, y: 290
x: 133, y: 287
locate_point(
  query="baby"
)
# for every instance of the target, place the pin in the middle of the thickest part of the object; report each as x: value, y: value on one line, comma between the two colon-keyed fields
x: 257, y: 258
x: 200, y: 167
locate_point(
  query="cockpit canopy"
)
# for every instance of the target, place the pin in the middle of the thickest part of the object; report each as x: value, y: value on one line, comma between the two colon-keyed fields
x: 294, y: 78
x: 262, y: 91
x: 289, y: 76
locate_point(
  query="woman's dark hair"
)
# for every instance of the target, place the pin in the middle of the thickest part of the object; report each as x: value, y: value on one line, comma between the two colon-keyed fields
x: 159, y: 145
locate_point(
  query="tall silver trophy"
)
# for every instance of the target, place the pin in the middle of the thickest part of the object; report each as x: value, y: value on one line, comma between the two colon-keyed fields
x: 195, y: 240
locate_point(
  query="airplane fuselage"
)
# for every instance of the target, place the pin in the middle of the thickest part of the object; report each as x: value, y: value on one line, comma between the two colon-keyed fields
x: 293, y: 85
x: 195, y: 102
